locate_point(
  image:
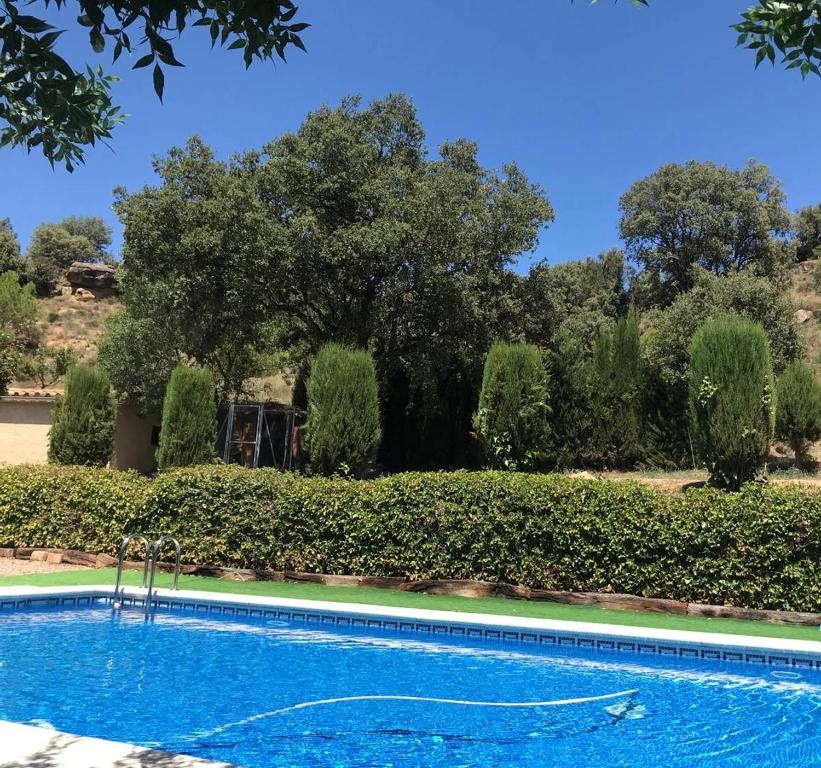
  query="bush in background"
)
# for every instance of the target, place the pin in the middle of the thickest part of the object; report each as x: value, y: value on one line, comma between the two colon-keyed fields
x: 189, y: 419
x: 343, y: 427
x: 512, y: 420
x: 84, y: 508
x: 732, y: 395
x: 18, y: 309
x: 759, y: 548
x: 798, y: 410
x: 10, y: 359
x: 617, y: 393
x: 82, y: 426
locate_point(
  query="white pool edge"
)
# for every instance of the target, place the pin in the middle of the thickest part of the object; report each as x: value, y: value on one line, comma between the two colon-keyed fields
x: 26, y: 745
x: 809, y: 649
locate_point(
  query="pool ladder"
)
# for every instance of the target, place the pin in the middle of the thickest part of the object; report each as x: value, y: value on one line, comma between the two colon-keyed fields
x: 152, y: 554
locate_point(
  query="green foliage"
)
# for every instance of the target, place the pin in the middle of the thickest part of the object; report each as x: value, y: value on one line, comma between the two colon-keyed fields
x: 54, y: 247
x: 512, y: 420
x: 18, y: 309
x: 221, y: 253
x: 189, y: 419
x: 667, y: 345
x: 47, y: 102
x: 807, y: 228
x: 543, y: 531
x: 573, y: 420
x: 198, y: 284
x: 721, y: 219
x: 793, y: 28
x: 139, y: 354
x: 575, y: 299
x: 10, y: 259
x: 618, y: 389
x: 343, y: 428
x: 10, y: 358
x: 732, y: 397
x: 18, y: 326
x: 46, y: 366
x: 82, y: 427
x: 96, y: 232
x: 798, y: 409
x: 83, y: 508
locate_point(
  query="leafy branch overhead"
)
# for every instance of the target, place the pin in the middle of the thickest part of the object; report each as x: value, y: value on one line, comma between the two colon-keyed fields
x: 47, y: 102
x: 791, y: 27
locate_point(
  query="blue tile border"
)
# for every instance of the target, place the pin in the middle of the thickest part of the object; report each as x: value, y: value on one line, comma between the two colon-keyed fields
x: 528, y: 636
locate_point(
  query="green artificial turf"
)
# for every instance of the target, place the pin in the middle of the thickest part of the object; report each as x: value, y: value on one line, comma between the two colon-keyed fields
x: 386, y: 597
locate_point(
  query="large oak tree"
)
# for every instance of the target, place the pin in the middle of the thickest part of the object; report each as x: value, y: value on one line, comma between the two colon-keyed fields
x: 345, y: 231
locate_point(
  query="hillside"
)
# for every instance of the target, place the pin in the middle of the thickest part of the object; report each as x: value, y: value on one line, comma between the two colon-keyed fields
x: 76, y: 323
x: 68, y: 321
x: 806, y: 298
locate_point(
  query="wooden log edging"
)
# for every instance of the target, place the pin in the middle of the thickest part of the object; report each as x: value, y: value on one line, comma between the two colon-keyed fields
x: 449, y: 587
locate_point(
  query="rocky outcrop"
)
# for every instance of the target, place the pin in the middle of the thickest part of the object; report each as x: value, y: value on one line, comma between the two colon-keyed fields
x: 98, y: 279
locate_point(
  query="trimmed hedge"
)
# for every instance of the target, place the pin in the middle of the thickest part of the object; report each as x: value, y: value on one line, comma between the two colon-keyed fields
x: 74, y: 507
x: 760, y: 548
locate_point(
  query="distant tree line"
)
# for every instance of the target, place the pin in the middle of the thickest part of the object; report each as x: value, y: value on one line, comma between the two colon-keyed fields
x: 53, y: 247
x: 351, y: 231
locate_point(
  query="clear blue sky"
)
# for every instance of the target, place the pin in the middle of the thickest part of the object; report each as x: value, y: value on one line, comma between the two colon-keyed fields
x: 585, y: 99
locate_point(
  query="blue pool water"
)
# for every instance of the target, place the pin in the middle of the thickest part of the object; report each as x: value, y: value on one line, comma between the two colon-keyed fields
x: 209, y: 686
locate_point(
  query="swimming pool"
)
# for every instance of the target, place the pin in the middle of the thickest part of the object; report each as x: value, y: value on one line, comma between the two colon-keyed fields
x: 232, y: 688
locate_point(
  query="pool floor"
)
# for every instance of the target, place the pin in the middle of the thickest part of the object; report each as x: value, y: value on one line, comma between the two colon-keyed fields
x: 235, y: 690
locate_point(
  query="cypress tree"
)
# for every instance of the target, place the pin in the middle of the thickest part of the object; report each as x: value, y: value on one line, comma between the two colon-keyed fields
x: 82, y: 426
x: 512, y: 420
x: 617, y: 395
x: 731, y: 396
x: 343, y: 427
x: 189, y: 419
x: 798, y: 410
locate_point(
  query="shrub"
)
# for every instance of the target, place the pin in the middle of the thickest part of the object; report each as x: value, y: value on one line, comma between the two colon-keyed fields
x: 512, y: 420
x: 10, y: 359
x: 189, y: 419
x: 82, y: 426
x: 10, y: 259
x: 758, y: 548
x: 343, y: 429
x: 617, y: 393
x: 84, y: 508
x: 666, y: 351
x: 798, y: 409
x: 18, y: 309
x: 731, y: 399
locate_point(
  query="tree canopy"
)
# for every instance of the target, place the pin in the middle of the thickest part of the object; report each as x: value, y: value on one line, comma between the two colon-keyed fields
x: 807, y: 227
x: 10, y: 259
x: 343, y: 231
x: 718, y: 218
x: 61, y: 107
x: 54, y: 246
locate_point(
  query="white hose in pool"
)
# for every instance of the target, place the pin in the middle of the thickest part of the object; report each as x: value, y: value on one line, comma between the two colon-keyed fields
x: 459, y: 702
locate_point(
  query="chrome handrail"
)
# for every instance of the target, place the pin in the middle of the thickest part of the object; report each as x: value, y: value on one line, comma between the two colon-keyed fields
x: 154, y: 559
x: 123, y: 545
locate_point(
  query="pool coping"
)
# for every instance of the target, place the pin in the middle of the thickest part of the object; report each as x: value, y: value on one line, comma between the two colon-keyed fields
x: 606, y: 637
x: 29, y: 745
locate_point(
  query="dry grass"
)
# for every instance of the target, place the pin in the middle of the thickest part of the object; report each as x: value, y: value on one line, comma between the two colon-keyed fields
x: 66, y: 322
x: 804, y: 295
